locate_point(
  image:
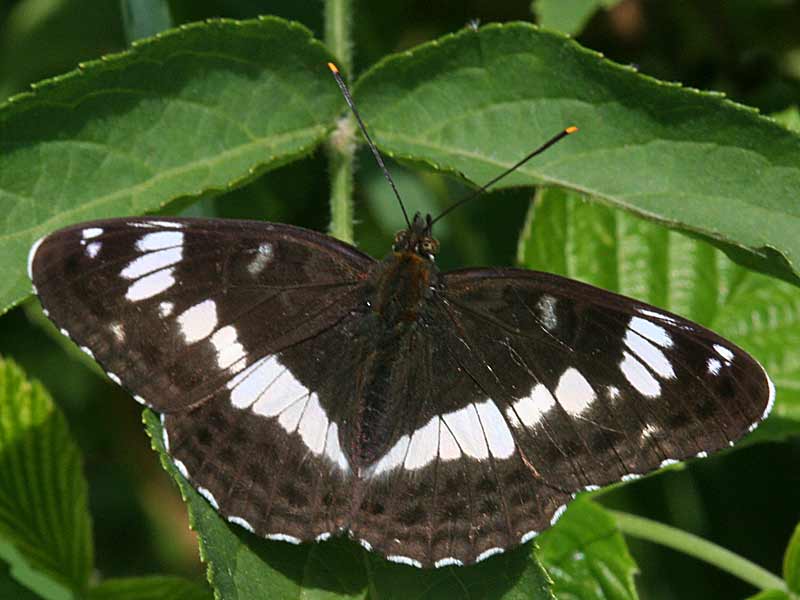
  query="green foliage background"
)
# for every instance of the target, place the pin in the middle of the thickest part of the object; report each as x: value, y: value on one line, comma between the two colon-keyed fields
x: 120, y: 136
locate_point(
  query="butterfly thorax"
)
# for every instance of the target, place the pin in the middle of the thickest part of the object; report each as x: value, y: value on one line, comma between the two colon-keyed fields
x: 405, y: 278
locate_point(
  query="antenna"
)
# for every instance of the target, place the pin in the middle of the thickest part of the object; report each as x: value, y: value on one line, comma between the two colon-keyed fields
x: 553, y: 140
x: 349, y: 99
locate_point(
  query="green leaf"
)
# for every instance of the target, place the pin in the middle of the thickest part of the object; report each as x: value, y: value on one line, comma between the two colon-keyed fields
x: 150, y: 588
x: 243, y: 566
x: 194, y: 111
x: 41, y: 584
x: 476, y: 102
x: 43, y: 505
x: 568, y: 16
x: 9, y: 588
x: 789, y: 118
x: 771, y: 595
x: 584, y: 240
x: 586, y: 555
x: 43, y: 37
x: 791, y: 562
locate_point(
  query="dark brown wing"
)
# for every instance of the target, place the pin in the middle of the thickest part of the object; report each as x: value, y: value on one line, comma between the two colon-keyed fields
x: 527, y: 388
x: 194, y: 317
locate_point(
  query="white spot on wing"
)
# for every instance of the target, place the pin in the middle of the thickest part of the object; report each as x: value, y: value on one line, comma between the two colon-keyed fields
x: 284, y: 389
x: 250, y: 383
x: 573, y: 392
x: 448, y: 447
x: 208, y: 496
x: 159, y: 241
x: 527, y: 537
x: 262, y: 258
x: 655, y: 333
x: 333, y: 450
x: 87, y: 351
x: 365, y: 544
x: 487, y: 553
x: 197, y: 322
x: 283, y: 537
x: 91, y: 232
x: 658, y: 315
x: 466, y: 428
x: 323, y: 536
x: 93, y: 249
x: 153, y: 261
x: 714, y: 366
x: 723, y: 352
x: 113, y: 377
x: 547, y: 311
x: 289, y: 419
x: 639, y: 377
x: 667, y: 462
x: 32, y: 255
x: 167, y: 224
x: 650, y: 430
x: 557, y: 515
x: 771, y: 399
x: 226, y: 343
x: 423, y: 446
x: 532, y: 408
x: 151, y: 285
x: 404, y: 560
x: 498, y: 435
x: 241, y: 523
x: 446, y: 562
x: 646, y: 351
x: 392, y: 459
x: 181, y: 468
x: 165, y: 309
x: 313, y: 426
x: 117, y: 331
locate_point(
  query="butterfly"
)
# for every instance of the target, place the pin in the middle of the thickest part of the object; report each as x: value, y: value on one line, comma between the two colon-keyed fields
x: 308, y: 390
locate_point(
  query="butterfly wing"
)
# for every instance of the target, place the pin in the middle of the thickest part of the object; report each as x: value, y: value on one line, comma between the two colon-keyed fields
x: 170, y: 307
x: 595, y: 387
x: 196, y: 318
x: 531, y: 387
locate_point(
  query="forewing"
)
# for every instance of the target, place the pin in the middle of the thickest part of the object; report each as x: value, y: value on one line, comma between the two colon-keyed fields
x: 596, y: 387
x: 172, y: 308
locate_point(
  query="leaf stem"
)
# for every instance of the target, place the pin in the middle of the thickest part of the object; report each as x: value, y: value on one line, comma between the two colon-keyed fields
x: 693, y: 545
x: 341, y: 146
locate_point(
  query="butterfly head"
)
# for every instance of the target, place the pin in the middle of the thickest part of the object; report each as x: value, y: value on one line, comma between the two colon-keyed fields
x: 418, y: 238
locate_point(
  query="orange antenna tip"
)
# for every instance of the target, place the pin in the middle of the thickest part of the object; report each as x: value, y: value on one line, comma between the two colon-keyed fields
x: 333, y: 67
x: 571, y: 129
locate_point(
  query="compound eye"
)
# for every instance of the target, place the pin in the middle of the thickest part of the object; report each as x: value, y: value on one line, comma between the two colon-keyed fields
x: 429, y: 246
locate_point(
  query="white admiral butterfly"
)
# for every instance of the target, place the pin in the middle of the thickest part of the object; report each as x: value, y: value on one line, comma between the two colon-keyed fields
x: 307, y: 389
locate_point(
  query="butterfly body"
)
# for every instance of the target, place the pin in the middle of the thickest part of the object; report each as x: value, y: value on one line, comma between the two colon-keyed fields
x: 307, y: 389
